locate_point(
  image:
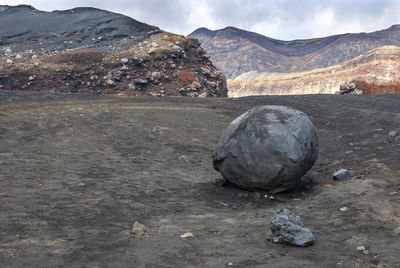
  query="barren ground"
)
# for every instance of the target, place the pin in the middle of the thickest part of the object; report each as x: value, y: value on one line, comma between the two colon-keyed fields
x: 76, y: 171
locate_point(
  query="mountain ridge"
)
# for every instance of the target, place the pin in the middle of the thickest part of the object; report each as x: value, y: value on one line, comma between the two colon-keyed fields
x: 26, y: 24
x: 235, y: 51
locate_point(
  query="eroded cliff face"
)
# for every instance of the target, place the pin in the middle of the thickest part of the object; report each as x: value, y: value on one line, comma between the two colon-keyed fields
x: 376, y: 72
x: 94, y: 51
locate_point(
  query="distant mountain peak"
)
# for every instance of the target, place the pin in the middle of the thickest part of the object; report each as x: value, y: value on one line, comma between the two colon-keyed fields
x: 203, y: 31
x: 4, y: 7
x: 231, y: 28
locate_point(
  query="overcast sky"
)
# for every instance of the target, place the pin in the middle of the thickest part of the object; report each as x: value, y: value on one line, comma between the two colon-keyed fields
x: 280, y: 19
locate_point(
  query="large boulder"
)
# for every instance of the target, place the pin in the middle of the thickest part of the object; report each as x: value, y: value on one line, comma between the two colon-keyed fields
x: 268, y: 147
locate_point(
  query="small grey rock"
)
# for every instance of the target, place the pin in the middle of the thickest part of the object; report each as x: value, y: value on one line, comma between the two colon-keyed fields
x: 341, y: 174
x: 257, y: 195
x: 287, y: 228
x: 393, y: 135
x: 138, y: 229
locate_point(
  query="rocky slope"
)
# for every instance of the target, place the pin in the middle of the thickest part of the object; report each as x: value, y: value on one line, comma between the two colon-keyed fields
x: 376, y: 72
x: 235, y: 51
x: 91, y: 50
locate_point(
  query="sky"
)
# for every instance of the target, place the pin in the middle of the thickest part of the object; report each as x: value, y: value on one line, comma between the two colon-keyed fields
x: 280, y: 19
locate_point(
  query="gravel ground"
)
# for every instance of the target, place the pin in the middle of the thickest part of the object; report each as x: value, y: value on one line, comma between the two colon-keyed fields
x: 77, y: 171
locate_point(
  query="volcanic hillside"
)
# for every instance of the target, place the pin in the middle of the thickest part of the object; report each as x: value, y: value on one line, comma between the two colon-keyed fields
x: 235, y: 51
x: 91, y: 50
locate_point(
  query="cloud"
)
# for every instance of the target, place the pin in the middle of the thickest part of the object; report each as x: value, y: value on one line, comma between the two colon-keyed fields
x: 280, y: 19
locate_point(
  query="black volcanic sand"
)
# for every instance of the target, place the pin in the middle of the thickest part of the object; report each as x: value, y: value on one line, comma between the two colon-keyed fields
x: 76, y: 171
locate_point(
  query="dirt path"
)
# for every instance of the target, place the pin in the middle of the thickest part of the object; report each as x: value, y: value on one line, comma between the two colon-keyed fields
x: 76, y: 171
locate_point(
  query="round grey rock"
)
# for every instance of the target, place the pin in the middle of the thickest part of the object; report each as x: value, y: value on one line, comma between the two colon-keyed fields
x: 268, y: 147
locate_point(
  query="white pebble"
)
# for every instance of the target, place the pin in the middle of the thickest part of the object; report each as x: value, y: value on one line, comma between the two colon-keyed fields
x: 361, y: 248
x: 187, y: 235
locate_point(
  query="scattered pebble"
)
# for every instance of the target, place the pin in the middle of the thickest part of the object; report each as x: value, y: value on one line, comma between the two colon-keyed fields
x: 257, y: 195
x: 361, y: 248
x: 341, y: 174
x: 393, y: 193
x: 392, y: 136
x: 344, y: 209
x: 397, y: 230
x: 138, y: 229
x: 230, y: 263
x: 328, y: 185
x: 224, y: 204
x: 366, y: 252
x: 80, y: 184
x: 187, y: 235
